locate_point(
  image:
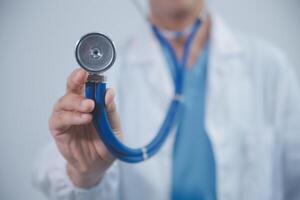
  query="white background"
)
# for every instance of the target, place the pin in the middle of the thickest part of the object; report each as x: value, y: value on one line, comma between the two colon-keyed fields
x: 37, y: 39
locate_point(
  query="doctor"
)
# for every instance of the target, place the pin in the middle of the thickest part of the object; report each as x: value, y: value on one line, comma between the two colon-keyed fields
x: 237, y: 137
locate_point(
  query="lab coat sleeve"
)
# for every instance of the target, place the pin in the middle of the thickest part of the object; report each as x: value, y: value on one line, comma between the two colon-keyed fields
x: 51, y: 178
x: 288, y: 121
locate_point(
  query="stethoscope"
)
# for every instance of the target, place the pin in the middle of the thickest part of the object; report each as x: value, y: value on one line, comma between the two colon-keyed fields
x: 96, y: 53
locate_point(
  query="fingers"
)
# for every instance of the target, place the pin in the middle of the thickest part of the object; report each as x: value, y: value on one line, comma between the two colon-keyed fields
x: 75, y: 82
x: 73, y: 102
x: 109, y: 100
x: 111, y: 109
x: 71, y: 109
x: 61, y: 121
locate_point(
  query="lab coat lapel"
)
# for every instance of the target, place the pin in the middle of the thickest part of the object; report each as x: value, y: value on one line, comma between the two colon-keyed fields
x: 146, y: 60
x: 226, y: 116
x: 154, y: 67
x: 223, y: 50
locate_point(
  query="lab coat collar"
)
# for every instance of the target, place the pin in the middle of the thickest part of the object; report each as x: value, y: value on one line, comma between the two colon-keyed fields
x: 223, y: 43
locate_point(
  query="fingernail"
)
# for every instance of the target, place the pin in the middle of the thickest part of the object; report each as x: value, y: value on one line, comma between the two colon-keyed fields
x: 78, y: 76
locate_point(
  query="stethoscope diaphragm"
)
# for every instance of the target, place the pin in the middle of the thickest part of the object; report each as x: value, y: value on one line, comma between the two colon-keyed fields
x: 95, y: 52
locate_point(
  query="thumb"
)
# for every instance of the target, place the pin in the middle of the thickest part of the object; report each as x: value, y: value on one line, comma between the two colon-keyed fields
x: 76, y: 81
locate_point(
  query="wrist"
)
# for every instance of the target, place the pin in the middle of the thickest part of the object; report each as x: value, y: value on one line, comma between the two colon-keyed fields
x: 83, y: 180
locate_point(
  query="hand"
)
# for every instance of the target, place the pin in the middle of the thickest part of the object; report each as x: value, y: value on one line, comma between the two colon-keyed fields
x: 71, y: 127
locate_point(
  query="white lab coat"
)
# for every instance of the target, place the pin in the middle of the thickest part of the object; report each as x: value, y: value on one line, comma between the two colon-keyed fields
x: 252, y: 119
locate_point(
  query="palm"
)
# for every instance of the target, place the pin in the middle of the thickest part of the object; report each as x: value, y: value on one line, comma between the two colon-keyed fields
x: 81, y: 146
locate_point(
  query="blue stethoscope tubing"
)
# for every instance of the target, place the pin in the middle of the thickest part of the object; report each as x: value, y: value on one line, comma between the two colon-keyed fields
x: 96, y: 91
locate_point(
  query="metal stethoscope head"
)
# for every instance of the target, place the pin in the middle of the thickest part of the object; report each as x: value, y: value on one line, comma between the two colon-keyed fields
x: 95, y: 52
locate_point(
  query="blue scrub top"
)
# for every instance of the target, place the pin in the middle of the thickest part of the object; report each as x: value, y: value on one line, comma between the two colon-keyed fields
x: 193, y: 170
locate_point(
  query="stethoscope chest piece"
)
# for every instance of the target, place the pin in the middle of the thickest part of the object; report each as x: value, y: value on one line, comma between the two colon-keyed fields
x: 95, y: 52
